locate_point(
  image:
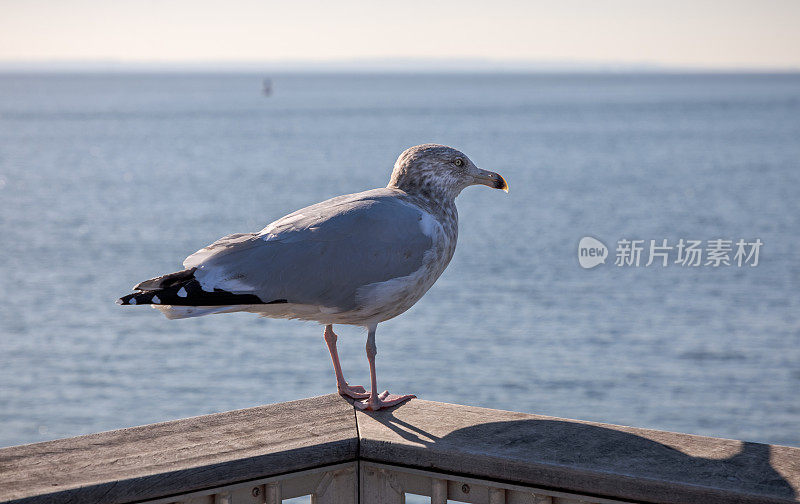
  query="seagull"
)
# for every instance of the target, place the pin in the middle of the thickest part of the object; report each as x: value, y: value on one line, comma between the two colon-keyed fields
x: 358, y: 259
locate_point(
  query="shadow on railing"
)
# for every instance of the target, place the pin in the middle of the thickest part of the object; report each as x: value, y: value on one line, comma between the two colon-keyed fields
x: 736, y: 466
x: 324, y: 448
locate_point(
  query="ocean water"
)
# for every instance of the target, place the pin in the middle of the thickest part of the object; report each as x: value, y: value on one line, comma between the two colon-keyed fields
x: 106, y: 180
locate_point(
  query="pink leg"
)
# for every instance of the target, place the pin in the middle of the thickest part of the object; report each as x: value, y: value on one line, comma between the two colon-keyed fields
x: 384, y: 399
x: 356, y: 392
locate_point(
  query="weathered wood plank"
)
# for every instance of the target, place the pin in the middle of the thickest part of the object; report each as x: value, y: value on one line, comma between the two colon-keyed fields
x: 551, y: 454
x: 181, y: 456
x: 580, y: 457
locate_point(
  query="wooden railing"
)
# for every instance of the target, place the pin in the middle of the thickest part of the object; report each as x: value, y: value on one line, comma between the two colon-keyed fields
x: 325, y: 448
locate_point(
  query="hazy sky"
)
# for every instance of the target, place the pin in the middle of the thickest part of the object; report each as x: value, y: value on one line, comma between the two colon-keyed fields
x: 716, y: 34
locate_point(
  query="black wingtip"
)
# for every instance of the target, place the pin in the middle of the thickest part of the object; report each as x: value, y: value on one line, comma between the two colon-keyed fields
x: 130, y: 299
x: 190, y: 293
x: 138, y: 298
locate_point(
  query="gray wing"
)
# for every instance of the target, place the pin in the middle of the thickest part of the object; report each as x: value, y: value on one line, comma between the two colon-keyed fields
x: 321, y: 254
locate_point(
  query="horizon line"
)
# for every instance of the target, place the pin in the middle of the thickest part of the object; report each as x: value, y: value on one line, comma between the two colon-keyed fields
x: 375, y: 64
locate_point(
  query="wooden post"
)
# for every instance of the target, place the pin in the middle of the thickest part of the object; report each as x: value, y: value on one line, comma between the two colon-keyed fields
x: 336, y: 487
x: 378, y: 486
x: 497, y: 496
x: 222, y: 498
x: 438, y: 491
x: 272, y: 493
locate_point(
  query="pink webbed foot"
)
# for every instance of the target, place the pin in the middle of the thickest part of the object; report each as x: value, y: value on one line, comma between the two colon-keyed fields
x: 382, y: 400
x: 356, y: 391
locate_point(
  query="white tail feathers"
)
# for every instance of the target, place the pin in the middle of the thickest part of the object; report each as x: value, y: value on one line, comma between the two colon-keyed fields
x: 179, y: 312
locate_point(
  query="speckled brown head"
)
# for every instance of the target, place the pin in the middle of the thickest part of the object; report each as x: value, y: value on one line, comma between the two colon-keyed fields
x: 439, y: 171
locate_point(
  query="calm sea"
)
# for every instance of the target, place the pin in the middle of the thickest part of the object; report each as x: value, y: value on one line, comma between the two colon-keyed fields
x: 106, y: 180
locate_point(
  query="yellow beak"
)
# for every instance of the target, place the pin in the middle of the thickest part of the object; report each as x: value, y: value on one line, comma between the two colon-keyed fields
x: 491, y: 179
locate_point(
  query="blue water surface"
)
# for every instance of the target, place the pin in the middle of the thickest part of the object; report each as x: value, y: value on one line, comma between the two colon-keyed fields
x: 106, y: 180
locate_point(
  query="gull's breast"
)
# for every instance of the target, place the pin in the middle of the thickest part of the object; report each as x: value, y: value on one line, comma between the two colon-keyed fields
x: 385, y: 300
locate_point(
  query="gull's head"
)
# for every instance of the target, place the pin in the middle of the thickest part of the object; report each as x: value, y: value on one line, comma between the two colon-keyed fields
x: 432, y: 170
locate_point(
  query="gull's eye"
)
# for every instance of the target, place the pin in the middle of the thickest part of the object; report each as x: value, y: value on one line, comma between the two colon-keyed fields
x: 459, y: 162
